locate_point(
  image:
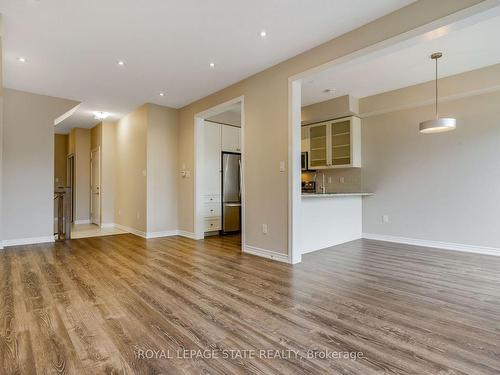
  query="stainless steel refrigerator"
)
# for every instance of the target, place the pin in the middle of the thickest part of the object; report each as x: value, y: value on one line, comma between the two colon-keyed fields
x: 231, y: 192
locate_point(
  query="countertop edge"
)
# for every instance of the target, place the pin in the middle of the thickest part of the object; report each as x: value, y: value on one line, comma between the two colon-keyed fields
x: 333, y: 195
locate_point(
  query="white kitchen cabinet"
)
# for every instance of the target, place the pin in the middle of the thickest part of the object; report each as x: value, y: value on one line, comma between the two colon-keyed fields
x: 231, y: 138
x: 318, y: 145
x: 212, y: 168
x: 335, y: 144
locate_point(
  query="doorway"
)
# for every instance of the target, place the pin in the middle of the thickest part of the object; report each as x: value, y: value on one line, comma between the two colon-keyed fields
x: 220, y: 169
x: 95, y: 186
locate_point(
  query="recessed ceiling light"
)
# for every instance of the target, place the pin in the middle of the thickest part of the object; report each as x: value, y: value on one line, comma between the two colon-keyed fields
x: 121, y: 63
x: 162, y: 94
x: 263, y: 33
x: 21, y: 59
x: 212, y: 65
x: 98, y: 115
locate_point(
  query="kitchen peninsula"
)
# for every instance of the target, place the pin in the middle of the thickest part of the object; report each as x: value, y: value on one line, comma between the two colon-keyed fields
x: 329, y: 219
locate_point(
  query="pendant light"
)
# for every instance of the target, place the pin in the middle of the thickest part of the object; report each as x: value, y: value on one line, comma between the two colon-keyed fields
x: 438, y: 125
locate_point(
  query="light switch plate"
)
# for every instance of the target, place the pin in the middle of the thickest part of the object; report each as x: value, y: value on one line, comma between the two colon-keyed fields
x: 264, y: 228
x: 282, y: 166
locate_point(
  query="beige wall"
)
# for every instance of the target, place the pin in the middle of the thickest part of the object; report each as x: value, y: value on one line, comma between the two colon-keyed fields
x: 96, y: 136
x: 330, y: 109
x: 60, y: 157
x: 79, y: 144
x: 28, y: 163
x: 162, y: 151
x: 108, y: 135
x: 71, y: 143
x: 439, y: 187
x: 266, y: 113
x: 450, y: 88
x: 131, y: 165
x: 146, y: 170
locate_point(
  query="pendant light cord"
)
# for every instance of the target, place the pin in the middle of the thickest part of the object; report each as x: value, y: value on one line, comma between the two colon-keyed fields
x: 437, y: 115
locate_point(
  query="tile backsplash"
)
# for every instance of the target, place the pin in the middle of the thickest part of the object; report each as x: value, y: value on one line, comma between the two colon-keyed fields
x: 351, y: 177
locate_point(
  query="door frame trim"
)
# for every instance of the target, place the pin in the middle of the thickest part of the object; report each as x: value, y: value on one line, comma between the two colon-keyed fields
x: 92, y: 151
x: 199, y: 121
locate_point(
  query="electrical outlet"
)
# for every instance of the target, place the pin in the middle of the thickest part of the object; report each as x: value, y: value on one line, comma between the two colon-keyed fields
x: 341, y: 180
x: 119, y: 212
x: 385, y: 218
x: 330, y: 179
x: 264, y: 228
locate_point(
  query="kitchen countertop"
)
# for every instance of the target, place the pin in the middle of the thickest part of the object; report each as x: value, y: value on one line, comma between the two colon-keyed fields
x: 319, y: 195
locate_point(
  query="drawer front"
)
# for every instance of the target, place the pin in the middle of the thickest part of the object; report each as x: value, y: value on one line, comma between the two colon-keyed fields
x: 212, y: 210
x: 211, y: 198
x: 213, y: 224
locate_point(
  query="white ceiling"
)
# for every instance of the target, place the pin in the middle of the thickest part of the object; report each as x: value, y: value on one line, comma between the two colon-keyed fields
x: 72, y: 47
x: 466, y: 45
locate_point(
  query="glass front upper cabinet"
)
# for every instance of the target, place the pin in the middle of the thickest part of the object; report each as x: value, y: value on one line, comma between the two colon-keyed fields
x: 318, y: 149
x: 335, y: 144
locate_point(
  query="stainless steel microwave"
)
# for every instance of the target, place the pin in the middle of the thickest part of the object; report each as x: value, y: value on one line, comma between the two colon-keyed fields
x: 304, y: 161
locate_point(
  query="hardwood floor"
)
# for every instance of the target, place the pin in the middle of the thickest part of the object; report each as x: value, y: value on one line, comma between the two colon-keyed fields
x: 107, y: 304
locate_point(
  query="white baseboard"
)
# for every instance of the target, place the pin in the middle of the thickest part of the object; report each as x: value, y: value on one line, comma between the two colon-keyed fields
x: 108, y: 225
x: 131, y: 230
x: 184, y: 233
x: 86, y: 221
x: 266, y: 253
x: 436, y: 244
x: 166, y: 233
x: 27, y: 241
x: 149, y: 235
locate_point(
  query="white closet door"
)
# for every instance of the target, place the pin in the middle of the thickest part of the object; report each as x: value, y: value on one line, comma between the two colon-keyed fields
x: 212, y: 159
x: 231, y: 138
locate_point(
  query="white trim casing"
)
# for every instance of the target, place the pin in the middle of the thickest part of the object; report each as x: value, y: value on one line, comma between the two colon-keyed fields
x: 27, y: 241
x: 199, y: 165
x: 266, y: 254
x: 294, y: 172
x: 166, y: 233
x: 434, y: 244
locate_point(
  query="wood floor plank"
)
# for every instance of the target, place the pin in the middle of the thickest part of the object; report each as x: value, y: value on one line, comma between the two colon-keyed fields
x: 90, y: 306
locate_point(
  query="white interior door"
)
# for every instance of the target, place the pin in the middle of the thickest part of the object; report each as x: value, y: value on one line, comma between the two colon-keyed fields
x: 95, y: 186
